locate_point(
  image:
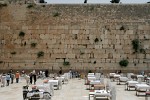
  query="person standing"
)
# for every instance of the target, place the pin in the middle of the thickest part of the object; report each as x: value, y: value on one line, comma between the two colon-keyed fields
x: 8, y: 79
x: 17, y: 76
x: 30, y: 75
x: 3, y: 79
x: 46, y: 73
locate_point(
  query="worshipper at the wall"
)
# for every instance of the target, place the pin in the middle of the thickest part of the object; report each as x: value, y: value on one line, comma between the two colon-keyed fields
x: 17, y: 76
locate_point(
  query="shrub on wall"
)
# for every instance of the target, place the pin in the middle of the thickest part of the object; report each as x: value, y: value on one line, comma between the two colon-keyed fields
x: 135, y: 44
x: 40, y: 54
x: 21, y: 34
x: 66, y: 63
x: 96, y: 40
x: 1, y: 62
x: 123, y: 63
x: 33, y: 45
x: 13, y: 53
x: 56, y: 14
x: 29, y: 5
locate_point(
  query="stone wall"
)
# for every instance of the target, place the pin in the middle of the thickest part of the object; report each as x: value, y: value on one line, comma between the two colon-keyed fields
x: 87, y: 36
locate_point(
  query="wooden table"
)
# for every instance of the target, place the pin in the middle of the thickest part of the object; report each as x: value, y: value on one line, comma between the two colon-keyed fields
x: 99, y: 86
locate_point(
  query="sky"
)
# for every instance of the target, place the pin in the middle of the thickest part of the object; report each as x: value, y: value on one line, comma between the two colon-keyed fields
x: 92, y: 1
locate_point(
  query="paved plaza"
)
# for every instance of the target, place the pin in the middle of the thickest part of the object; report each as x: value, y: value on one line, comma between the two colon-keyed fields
x: 74, y: 90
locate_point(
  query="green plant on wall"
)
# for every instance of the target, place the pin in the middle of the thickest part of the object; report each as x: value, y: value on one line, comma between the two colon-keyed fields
x: 56, y: 14
x: 33, y: 45
x: 124, y: 63
x: 96, y: 40
x: 21, y: 34
x: 1, y: 62
x: 40, y: 54
x: 122, y: 28
x: 66, y: 63
x: 13, y: 53
x: 135, y: 44
x: 30, y: 6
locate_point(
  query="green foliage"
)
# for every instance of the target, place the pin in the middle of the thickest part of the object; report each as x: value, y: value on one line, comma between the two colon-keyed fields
x: 115, y: 1
x: 66, y: 63
x: 40, y: 54
x: 33, y: 45
x: 123, y: 63
x: 56, y: 14
x: 1, y: 62
x: 3, y: 4
x: 96, y: 40
x: 122, y: 28
x: 13, y: 53
x: 94, y: 62
x: 21, y: 34
x: 142, y: 51
x: 135, y: 44
x: 30, y: 6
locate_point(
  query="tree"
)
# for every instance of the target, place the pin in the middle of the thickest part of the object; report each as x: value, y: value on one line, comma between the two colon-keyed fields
x: 42, y: 1
x: 115, y: 1
x: 85, y: 1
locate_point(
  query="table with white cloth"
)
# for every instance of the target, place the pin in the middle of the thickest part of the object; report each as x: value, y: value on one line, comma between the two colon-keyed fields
x: 131, y: 84
x: 54, y: 82
x: 90, y: 73
x: 141, y: 88
x: 148, y: 81
x: 93, y: 82
x: 122, y: 79
x: 111, y: 75
x: 116, y: 77
x: 91, y: 78
x: 101, y: 94
x: 140, y: 77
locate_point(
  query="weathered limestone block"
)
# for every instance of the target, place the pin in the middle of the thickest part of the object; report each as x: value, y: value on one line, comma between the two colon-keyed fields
x: 147, y: 46
x: 58, y: 55
x: 148, y: 56
x: 59, y: 60
x: 70, y: 55
x: 118, y: 46
x: 116, y: 56
x: 140, y: 56
x: 75, y: 31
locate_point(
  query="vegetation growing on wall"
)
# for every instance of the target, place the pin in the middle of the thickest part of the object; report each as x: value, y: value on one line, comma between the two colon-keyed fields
x: 13, y: 53
x: 1, y: 62
x: 40, y: 54
x: 56, y: 14
x: 96, y: 40
x: 135, y: 44
x: 3, y: 5
x: 33, y: 45
x: 30, y: 5
x: 21, y: 34
x: 124, y: 63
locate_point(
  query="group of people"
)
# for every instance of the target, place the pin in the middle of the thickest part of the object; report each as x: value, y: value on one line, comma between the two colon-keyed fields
x: 7, y: 78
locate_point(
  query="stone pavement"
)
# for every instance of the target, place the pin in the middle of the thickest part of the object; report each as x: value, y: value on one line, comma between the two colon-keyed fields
x: 74, y: 90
